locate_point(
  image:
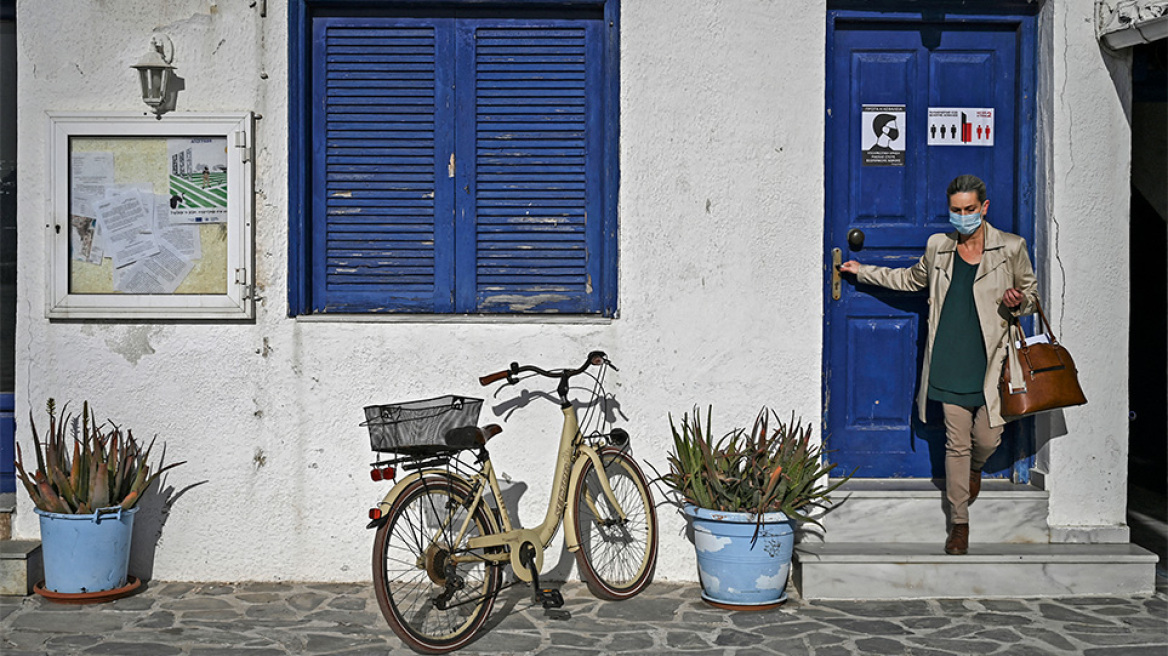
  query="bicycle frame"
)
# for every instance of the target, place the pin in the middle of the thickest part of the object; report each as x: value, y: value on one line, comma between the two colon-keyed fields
x: 572, y: 451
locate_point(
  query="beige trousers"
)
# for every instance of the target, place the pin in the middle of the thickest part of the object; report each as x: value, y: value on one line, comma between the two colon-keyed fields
x: 969, y: 442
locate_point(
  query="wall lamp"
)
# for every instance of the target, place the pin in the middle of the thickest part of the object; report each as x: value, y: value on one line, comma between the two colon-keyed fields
x: 156, y: 75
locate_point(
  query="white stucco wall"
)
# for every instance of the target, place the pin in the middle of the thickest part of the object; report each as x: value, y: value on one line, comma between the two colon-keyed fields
x: 721, y: 208
x: 1085, y: 155
x: 716, y: 306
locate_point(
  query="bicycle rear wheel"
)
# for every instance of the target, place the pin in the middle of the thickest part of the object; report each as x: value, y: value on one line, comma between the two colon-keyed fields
x: 616, y: 558
x: 433, y: 591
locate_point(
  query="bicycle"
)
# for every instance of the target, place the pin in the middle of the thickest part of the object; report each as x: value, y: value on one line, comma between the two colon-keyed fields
x: 441, y: 545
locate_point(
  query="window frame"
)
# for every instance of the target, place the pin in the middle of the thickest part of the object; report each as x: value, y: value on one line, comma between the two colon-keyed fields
x: 301, y: 92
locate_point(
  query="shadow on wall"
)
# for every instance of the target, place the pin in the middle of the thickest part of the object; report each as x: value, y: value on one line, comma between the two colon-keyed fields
x: 153, y: 511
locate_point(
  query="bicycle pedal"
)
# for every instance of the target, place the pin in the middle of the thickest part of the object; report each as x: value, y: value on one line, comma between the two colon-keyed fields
x: 549, y: 597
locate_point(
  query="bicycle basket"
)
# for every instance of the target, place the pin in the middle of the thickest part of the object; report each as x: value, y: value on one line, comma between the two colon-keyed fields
x: 420, y: 426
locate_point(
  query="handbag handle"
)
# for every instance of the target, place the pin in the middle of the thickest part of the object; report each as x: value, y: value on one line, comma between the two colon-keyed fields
x: 1013, y: 366
x: 1044, y: 322
x: 1043, y: 327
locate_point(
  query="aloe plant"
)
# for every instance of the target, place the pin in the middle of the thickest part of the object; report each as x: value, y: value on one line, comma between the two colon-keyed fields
x: 83, y: 467
x: 758, y: 471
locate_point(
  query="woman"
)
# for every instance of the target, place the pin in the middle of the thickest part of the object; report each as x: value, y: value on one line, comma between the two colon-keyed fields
x: 978, y: 278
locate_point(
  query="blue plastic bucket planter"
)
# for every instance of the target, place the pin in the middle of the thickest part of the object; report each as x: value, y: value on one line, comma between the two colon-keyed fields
x: 738, y: 569
x: 86, y: 553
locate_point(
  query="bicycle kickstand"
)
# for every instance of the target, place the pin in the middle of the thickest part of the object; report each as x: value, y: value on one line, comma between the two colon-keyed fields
x: 548, y: 597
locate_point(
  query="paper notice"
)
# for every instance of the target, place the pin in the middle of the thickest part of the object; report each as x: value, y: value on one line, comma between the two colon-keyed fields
x: 198, y: 180
x: 882, y: 135
x: 184, y: 238
x: 146, y: 195
x: 159, y: 274
x: 961, y: 126
x: 85, y: 243
x: 90, y: 173
x: 126, y: 227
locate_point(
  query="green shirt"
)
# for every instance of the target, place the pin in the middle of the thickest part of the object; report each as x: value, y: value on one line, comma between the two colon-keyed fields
x: 957, y: 372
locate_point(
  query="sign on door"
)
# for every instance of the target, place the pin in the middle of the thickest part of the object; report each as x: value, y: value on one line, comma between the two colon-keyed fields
x: 961, y: 126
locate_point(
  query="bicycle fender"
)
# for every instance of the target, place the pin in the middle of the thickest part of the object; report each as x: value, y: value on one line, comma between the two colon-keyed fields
x: 394, y: 492
x: 571, y: 539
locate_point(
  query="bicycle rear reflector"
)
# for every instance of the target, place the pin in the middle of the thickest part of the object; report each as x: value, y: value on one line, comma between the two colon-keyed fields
x: 383, y: 474
x: 375, y: 513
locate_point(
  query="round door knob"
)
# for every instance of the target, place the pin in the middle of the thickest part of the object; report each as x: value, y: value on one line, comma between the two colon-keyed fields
x: 855, y: 239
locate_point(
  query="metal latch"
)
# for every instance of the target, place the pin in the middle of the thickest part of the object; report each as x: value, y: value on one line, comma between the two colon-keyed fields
x: 248, y: 287
x: 241, y: 142
x: 836, y: 258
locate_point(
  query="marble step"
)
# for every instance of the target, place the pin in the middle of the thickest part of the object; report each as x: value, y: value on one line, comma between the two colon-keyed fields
x: 899, y: 570
x: 21, y: 566
x: 915, y: 510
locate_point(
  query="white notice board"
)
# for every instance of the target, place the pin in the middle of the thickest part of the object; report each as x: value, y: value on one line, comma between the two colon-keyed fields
x: 150, y: 218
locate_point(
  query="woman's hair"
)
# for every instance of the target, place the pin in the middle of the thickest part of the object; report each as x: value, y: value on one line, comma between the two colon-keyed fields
x: 964, y: 183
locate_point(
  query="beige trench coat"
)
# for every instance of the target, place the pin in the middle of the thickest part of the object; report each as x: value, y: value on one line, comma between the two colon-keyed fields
x: 1004, y: 265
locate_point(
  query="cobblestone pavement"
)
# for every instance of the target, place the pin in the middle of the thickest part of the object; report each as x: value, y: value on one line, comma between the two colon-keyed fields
x: 266, y: 619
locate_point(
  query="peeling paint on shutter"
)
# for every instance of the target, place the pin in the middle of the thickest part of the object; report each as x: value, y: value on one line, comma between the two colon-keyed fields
x: 535, y: 178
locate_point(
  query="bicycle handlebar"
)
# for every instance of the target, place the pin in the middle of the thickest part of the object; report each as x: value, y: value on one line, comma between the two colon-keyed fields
x: 595, y: 358
x: 490, y: 378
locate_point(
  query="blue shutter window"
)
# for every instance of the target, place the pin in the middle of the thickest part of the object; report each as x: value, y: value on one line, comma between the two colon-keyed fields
x: 458, y: 166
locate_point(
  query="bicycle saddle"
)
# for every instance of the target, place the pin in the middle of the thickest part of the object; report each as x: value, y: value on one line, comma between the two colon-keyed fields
x: 470, y: 437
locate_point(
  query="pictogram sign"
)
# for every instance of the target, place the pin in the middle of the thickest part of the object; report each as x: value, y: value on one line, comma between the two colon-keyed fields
x: 882, y: 135
x: 961, y: 126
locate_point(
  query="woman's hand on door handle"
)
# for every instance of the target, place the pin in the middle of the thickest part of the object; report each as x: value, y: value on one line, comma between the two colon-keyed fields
x: 851, y: 266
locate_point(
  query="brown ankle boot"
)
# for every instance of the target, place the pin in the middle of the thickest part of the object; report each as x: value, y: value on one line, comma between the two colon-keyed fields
x: 958, y: 542
x: 974, y: 484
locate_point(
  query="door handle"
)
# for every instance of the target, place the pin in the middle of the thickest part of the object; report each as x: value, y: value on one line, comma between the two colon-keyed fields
x: 836, y: 260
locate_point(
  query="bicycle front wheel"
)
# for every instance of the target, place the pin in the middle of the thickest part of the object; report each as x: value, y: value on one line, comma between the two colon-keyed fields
x: 434, y: 592
x: 616, y: 558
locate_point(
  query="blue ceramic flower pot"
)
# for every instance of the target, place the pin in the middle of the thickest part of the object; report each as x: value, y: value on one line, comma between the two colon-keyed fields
x: 738, y: 568
x: 86, y: 553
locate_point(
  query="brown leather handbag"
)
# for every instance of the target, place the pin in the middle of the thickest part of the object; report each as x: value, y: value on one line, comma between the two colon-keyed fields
x: 1038, y: 376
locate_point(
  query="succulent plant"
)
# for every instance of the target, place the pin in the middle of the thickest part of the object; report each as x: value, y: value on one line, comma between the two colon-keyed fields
x: 760, y: 471
x: 83, y: 467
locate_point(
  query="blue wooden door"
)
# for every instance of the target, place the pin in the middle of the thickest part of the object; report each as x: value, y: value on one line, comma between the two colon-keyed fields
x: 874, y: 338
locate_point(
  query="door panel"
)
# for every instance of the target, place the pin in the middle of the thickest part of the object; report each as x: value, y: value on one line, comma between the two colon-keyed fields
x: 888, y: 193
x: 875, y: 337
x: 877, y: 400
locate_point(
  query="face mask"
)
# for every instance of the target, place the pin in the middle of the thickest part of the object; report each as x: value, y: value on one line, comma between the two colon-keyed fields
x: 966, y: 224
x: 893, y: 133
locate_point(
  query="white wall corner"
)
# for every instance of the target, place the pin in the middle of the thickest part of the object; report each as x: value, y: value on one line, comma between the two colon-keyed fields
x: 1084, y: 169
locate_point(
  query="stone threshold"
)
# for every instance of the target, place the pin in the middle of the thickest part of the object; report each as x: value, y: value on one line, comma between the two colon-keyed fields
x: 900, y: 570
x: 914, y: 552
x: 925, y: 487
